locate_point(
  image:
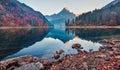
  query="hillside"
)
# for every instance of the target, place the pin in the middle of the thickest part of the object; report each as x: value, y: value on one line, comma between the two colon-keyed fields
x: 111, y: 4
x: 107, y: 16
x: 14, y: 13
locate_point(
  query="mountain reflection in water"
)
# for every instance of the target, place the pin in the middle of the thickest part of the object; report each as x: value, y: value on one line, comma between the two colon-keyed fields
x: 13, y: 40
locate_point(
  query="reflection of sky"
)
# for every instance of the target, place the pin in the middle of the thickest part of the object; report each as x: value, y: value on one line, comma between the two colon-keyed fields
x: 48, y: 46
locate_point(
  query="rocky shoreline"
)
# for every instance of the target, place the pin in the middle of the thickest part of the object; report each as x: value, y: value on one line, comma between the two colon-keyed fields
x: 21, y: 63
x: 107, y: 58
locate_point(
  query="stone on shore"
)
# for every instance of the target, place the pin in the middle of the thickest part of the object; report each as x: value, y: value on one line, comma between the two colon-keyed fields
x: 76, y: 46
x: 31, y: 66
x: 59, y: 51
x: 56, y: 56
x: 14, y: 63
x: 106, y: 58
x: 44, y: 61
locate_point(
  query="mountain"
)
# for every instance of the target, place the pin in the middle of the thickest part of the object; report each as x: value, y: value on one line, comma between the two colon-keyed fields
x: 61, y: 17
x: 111, y: 4
x: 14, y: 13
x: 109, y: 16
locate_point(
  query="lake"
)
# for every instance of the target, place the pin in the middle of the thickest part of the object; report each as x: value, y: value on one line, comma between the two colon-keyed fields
x: 43, y: 42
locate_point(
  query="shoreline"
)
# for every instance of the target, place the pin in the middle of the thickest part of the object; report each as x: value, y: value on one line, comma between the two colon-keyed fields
x: 26, y: 27
x: 62, y: 27
x: 106, y: 58
x: 92, y: 26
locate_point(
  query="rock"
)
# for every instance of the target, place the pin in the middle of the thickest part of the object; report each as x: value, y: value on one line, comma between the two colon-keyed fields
x: 56, y: 56
x: 39, y: 65
x: 103, y: 50
x: 12, y: 63
x: 44, y: 61
x: 105, y: 41
x: 76, y: 46
x: 117, y: 56
x: 81, y: 47
x: 111, y: 53
x: 85, y: 51
x: 59, y: 51
x: 24, y: 59
x: 116, y: 41
x: 107, y: 59
x: 79, y: 51
x: 31, y: 66
x: 100, y: 56
x: 112, y: 43
x: 112, y: 64
x: 116, y: 53
x: 90, y: 50
x: 67, y: 63
x: 116, y: 66
x: 2, y: 67
x: 85, y: 65
x: 35, y: 59
x: 109, y: 47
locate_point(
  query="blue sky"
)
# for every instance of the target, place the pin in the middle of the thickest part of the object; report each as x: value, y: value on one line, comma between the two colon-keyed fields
x: 48, y: 7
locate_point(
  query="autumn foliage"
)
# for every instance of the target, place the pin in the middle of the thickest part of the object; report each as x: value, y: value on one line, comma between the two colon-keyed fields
x: 14, y: 13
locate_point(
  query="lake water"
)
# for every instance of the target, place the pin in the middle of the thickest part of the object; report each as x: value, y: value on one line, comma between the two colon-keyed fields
x: 43, y: 42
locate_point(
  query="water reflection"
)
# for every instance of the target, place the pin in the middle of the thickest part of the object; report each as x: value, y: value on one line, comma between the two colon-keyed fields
x: 13, y: 40
x: 44, y: 42
x: 48, y: 46
x: 95, y: 34
x: 60, y: 33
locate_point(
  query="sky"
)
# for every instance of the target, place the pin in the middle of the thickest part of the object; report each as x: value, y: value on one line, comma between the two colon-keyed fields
x: 48, y: 7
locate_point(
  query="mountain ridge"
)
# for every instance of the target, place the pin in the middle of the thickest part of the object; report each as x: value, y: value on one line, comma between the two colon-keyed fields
x: 111, y: 4
x: 13, y: 13
x: 109, y: 16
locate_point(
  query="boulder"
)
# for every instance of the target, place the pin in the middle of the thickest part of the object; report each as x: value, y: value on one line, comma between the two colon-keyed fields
x: 31, y: 66
x: 76, y: 46
x: 56, y: 56
x: 107, y: 59
x: 17, y: 62
x: 81, y: 47
x: 79, y: 51
x: 105, y: 41
x: 59, y: 51
x: 44, y: 61
x: 35, y: 59
x: 100, y: 56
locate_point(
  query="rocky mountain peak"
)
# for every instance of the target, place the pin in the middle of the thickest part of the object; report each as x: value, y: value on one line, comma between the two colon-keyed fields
x: 66, y: 9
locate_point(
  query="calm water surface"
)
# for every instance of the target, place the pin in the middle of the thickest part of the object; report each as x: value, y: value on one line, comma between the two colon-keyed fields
x: 43, y: 42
